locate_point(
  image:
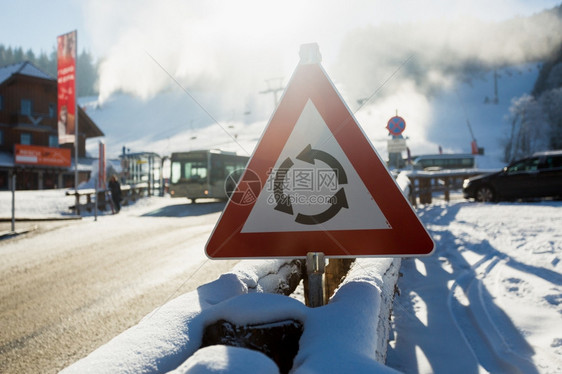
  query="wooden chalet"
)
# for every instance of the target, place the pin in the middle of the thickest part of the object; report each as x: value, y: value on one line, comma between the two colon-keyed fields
x: 28, y: 117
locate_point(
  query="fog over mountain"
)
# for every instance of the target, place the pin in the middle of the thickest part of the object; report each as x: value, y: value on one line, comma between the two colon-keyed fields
x: 381, y: 66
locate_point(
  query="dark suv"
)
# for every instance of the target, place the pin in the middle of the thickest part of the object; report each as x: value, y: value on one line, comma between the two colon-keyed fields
x: 534, y: 177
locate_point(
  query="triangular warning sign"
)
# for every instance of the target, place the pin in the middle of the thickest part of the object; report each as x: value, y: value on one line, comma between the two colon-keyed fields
x: 323, y: 186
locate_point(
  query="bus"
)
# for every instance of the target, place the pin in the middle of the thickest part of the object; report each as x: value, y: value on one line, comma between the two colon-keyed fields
x: 444, y: 162
x: 202, y: 174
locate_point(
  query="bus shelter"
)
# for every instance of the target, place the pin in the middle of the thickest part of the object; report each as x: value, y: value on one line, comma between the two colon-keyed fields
x: 143, y: 168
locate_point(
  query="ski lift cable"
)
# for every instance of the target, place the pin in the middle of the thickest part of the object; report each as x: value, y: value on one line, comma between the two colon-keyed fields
x: 196, y: 102
x: 365, y: 101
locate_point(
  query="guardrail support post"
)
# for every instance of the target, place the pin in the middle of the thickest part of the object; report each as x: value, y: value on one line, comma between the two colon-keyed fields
x: 336, y: 270
x: 425, y: 190
x: 315, y: 265
x: 413, y: 191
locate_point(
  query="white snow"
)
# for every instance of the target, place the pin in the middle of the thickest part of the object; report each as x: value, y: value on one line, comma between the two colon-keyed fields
x: 222, y: 358
x: 167, y: 338
x: 488, y: 299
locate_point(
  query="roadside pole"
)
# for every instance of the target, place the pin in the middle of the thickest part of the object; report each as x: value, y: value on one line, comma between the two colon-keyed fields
x: 96, y: 200
x: 13, y: 201
x: 76, y: 115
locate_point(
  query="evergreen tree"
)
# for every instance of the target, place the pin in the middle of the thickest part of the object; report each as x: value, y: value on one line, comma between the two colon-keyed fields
x: 86, y: 66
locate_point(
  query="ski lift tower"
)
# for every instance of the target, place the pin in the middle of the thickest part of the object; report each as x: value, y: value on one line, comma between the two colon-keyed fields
x: 274, y: 89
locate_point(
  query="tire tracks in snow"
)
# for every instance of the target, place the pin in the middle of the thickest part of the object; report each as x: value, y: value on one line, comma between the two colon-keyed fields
x: 490, y: 334
x: 447, y: 295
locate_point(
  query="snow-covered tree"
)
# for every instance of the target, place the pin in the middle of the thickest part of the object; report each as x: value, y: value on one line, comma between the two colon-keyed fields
x: 537, y: 121
x: 551, y: 101
x: 529, y: 128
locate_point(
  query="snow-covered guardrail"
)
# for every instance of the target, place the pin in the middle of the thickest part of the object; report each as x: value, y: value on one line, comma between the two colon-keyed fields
x: 349, y: 333
x: 424, y: 183
x: 129, y: 193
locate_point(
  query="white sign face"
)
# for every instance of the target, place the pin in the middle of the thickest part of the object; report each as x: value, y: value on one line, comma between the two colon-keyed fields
x: 313, y: 186
x: 397, y: 145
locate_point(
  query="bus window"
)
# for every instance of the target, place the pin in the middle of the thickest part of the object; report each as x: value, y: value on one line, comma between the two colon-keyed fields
x: 444, y: 161
x: 230, y: 167
x: 217, y: 169
x: 195, y: 170
x: 176, y: 172
x: 467, y: 162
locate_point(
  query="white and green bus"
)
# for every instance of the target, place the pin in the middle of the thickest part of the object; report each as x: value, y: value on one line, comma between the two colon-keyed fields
x: 203, y: 174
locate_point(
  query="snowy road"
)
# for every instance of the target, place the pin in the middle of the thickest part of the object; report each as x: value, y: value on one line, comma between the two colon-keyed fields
x: 66, y: 289
x: 489, y: 299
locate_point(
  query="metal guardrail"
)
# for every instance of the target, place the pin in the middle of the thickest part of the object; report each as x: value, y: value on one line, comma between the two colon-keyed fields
x: 425, y: 183
x: 129, y: 193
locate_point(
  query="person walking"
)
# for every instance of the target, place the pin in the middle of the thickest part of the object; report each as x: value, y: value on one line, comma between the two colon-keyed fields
x: 115, y: 188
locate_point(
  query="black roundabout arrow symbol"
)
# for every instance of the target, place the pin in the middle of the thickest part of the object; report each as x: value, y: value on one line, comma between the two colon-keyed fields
x: 309, y: 155
x: 339, y: 201
x: 282, y: 200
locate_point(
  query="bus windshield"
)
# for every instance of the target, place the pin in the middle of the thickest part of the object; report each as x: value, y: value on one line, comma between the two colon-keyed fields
x: 192, y: 171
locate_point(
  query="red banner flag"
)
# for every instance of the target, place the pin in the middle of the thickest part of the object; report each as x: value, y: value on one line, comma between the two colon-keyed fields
x: 66, y: 76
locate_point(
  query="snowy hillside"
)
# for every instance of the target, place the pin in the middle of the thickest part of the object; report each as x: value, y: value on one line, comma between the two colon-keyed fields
x: 173, y: 121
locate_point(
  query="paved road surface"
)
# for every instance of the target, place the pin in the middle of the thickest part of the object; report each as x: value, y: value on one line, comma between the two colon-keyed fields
x: 68, y: 287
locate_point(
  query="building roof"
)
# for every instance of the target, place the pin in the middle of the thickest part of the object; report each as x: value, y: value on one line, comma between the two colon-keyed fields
x: 91, y: 130
x: 27, y: 68
x: 23, y: 68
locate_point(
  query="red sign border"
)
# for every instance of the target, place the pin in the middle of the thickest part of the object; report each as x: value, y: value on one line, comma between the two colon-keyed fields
x: 407, y: 237
x: 394, y: 133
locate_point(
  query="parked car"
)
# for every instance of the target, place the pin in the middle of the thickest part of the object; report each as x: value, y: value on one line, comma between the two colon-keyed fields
x: 537, y: 176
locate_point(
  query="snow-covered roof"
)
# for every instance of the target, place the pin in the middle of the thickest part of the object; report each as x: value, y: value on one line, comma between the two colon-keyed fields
x: 23, y: 68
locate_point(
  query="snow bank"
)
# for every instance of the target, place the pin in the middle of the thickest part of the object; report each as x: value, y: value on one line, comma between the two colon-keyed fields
x: 355, y: 323
x: 222, y: 358
x: 350, y: 333
x: 36, y: 204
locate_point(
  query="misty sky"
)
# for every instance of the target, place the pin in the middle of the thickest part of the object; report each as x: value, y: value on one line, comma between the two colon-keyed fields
x: 232, y: 48
x: 24, y: 23
x: 200, y: 35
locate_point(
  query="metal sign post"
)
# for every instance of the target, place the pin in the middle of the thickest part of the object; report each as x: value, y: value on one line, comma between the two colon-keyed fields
x: 76, y: 115
x: 13, y: 201
x: 315, y: 265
